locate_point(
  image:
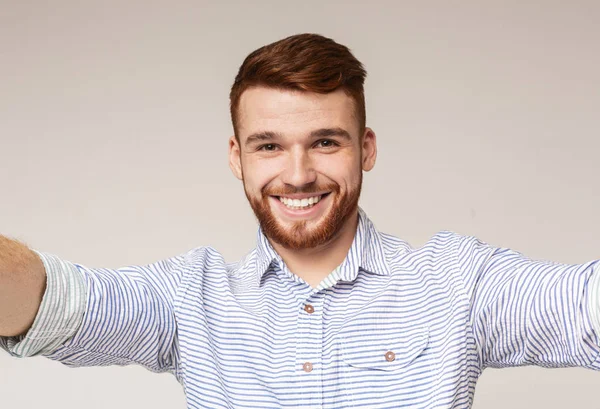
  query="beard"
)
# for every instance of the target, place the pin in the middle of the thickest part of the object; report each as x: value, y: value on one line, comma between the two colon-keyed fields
x: 299, y: 235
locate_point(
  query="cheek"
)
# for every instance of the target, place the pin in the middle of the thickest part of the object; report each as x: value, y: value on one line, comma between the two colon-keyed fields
x: 344, y: 170
x: 258, y: 173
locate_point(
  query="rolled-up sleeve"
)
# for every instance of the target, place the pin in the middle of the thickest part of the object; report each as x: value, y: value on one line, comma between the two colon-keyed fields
x: 60, y: 314
x: 102, y: 316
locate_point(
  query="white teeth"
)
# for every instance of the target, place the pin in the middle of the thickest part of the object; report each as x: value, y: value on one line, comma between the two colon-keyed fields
x: 300, y: 203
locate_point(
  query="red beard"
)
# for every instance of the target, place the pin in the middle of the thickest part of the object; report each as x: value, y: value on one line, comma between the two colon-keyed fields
x: 299, y: 236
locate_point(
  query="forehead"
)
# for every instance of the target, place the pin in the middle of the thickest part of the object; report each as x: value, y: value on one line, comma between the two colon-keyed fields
x: 290, y: 111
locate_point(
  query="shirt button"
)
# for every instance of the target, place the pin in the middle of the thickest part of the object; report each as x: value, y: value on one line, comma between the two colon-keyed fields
x: 308, y: 367
x: 390, y: 356
x: 309, y: 308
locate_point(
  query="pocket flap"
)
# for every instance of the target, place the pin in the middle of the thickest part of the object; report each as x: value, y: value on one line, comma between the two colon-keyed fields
x: 369, y: 344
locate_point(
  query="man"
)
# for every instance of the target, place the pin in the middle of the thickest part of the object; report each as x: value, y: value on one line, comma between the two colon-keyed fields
x: 326, y: 311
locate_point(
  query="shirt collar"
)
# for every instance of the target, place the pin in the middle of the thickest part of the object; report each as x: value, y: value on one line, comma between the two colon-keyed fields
x: 366, y: 252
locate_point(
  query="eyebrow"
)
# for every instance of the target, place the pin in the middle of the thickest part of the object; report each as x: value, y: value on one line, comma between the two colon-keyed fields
x: 328, y: 132
x: 265, y: 136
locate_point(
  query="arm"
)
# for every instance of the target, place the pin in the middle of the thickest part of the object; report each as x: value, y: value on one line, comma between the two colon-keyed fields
x: 101, y: 316
x: 22, y: 286
x: 529, y: 312
x: 129, y: 316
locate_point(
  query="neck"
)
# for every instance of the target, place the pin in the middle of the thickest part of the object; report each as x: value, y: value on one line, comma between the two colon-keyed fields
x: 314, y: 264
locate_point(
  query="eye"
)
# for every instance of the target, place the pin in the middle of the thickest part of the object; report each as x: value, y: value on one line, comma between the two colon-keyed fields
x: 327, y: 143
x: 269, y: 147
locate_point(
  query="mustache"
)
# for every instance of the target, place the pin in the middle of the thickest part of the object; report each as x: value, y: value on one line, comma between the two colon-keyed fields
x: 308, y: 189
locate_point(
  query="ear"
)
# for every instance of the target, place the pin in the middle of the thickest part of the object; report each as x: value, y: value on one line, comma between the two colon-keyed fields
x: 369, y: 149
x: 235, y: 160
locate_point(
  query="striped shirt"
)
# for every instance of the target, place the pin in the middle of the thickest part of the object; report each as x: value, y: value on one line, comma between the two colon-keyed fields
x: 391, y: 327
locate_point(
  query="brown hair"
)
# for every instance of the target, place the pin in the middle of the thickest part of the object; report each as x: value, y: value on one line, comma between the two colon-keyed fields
x: 304, y: 62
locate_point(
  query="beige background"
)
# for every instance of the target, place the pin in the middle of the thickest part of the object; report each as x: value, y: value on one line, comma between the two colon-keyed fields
x: 113, y: 140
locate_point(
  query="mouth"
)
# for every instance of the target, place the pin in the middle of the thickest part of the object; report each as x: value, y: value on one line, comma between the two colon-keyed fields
x: 301, y: 207
x: 301, y: 204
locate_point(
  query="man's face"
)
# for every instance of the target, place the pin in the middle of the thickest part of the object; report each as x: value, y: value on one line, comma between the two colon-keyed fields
x: 300, y: 157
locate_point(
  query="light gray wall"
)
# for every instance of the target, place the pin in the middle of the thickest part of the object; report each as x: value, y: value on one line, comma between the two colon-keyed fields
x: 113, y: 141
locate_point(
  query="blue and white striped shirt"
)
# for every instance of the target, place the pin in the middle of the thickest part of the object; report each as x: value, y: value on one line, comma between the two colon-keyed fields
x: 391, y: 327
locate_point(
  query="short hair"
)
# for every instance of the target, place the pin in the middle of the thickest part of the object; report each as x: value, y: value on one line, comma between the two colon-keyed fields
x: 303, y: 62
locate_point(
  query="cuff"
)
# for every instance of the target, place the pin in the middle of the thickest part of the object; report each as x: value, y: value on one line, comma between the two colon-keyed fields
x: 60, y: 314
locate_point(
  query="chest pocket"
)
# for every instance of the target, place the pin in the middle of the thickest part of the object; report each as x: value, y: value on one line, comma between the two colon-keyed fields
x: 381, y: 345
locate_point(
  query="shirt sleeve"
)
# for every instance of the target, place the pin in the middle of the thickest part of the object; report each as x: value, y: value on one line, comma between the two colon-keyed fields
x: 129, y: 316
x: 60, y: 313
x: 529, y: 312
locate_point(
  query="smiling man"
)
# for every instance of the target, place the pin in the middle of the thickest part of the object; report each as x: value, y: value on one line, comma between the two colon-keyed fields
x: 301, y: 155
x: 326, y: 311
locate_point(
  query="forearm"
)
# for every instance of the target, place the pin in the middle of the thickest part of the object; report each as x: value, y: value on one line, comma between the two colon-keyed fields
x: 22, y: 286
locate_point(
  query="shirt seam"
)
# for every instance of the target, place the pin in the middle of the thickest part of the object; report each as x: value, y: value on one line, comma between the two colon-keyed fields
x: 180, y: 294
x: 477, y: 347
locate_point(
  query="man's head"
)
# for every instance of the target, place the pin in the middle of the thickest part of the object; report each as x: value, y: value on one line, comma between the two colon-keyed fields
x: 300, y: 142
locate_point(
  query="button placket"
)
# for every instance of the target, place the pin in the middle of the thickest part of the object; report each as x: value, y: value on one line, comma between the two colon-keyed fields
x: 309, y: 349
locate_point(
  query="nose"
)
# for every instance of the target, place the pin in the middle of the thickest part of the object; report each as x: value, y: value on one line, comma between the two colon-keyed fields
x: 300, y: 169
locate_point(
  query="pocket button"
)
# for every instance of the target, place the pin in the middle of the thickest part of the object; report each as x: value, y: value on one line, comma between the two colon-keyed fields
x: 390, y: 356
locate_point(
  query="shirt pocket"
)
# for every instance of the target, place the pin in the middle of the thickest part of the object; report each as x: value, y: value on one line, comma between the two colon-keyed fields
x: 381, y: 346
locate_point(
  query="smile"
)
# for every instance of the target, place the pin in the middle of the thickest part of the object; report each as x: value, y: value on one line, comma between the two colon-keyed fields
x: 298, y: 204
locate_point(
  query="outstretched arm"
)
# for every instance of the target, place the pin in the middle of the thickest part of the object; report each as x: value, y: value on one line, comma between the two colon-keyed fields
x: 531, y: 312
x: 97, y: 316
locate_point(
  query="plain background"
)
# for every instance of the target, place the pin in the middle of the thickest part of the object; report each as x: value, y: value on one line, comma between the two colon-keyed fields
x: 113, y: 146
